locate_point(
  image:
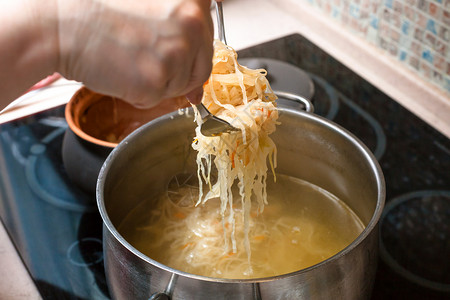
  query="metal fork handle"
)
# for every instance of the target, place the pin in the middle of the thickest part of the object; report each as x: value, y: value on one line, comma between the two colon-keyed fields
x: 220, y: 23
x: 204, y: 112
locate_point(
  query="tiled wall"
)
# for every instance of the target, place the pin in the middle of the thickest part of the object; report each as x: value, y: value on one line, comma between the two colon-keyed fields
x: 416, y: 32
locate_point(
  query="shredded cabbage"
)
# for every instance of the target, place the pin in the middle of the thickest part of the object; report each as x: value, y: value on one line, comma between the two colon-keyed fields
x: 242, y: 97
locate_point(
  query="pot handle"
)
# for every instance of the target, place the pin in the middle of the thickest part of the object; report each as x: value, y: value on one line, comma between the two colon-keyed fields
x: 296, y: 98
x: 159, y: 296
x: 166, y: 295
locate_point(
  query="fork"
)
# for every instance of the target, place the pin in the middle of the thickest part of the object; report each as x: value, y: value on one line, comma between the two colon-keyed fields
x: 212, y: 125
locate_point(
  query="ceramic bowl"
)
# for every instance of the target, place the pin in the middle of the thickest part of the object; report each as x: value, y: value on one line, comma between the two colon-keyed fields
x: 96, y: 124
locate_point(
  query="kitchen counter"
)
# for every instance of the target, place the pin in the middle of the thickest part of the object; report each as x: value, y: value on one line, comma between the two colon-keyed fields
x: 246, y: 25
x: 15, y: 282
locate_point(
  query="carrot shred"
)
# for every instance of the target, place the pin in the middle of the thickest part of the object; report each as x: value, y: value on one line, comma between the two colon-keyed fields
x: 185, y: 245
x: 259, y: 237
x: 229, y: 254
x: 179, y: 215
x: 232, y: 159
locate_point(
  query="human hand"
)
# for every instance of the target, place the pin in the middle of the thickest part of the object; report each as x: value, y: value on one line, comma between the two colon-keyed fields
x: 139, y: 51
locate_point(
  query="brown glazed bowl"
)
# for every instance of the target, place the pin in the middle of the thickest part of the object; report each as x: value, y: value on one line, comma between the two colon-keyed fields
x: 97, y: 123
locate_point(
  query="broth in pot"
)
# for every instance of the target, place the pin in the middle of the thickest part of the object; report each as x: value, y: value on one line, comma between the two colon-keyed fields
x: 302, y: 225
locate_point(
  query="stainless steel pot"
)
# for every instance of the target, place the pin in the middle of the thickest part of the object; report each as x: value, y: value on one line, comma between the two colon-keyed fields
x: 309, y: 147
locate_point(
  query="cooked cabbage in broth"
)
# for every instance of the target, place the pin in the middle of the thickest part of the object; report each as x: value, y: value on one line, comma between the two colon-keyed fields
x: 302, y: 225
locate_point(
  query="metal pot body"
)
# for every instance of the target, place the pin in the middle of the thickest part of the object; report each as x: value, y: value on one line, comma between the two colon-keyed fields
x: 309, y: 147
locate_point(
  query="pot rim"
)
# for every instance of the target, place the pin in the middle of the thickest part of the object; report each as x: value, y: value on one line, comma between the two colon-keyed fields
x: 371, y: 225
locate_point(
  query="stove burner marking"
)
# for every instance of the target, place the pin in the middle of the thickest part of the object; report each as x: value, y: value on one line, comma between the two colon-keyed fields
x: 36, y: 151
x: 30, y: 172
x: 15, y: 150
x: 379, y: 132
x: 52, y: 135
x: 442, y: 147
x: 54, y: 122
x: 74, y: 252
x: 332, y: 96
x: 391, y: 260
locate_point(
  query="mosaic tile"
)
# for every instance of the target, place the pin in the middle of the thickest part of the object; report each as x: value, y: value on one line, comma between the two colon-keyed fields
x: 434, y: 10
x: 416, y: 32
x: 403, y: 55
x: 395, y: 35
x: 422, y: 5
x: 431, y: 26
x: 446, y: 4
x: 444, y: 33
x: 398, y: 7
x: 354, y: 11
x: 429, y: 39
x: 414, y: 62
x: 374, y: 7
x: 374, y: 21
x: 386, y: 15
x: 421, y: 20
x: 388, y: 3
x: 446, y: 17
x: 393, y: 49
x: 436, y: 76
x: 416, y: 48
x: 406, y: 27
x: 409, y: 13
x: 427, y: 55
x: 405, y: 41
x: 439, y: 63
x: 441, y: 48
x: 335, y: 13
x: 426, y: 70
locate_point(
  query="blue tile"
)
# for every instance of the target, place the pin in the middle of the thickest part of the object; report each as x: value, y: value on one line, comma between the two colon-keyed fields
x: 335, y: 13
x: 388, y: 3
x: 354, y: 11
x: 374, y: 22
x: 405, y: 27
x: 427, y: 55
x: 402, y: 55
x: 431, y: 26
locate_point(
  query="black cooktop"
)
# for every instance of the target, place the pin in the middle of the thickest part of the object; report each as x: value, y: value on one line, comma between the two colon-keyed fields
x: 56, y: 228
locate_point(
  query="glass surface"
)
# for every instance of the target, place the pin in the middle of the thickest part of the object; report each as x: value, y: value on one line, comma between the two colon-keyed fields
x: 54, y: 225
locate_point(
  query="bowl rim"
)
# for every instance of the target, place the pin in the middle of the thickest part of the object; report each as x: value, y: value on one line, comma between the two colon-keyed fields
x: 75, y: 128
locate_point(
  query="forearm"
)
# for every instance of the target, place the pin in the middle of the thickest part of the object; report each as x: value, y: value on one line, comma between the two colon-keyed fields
x: 28, y: 46
x: 140, y: 51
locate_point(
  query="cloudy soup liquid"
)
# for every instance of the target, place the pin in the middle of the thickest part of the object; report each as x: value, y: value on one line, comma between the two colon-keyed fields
x: 300, y: 226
